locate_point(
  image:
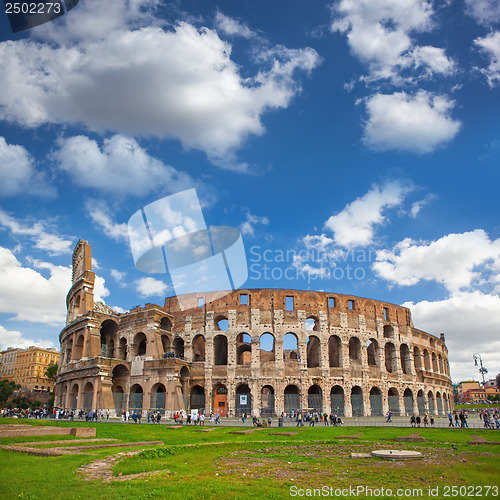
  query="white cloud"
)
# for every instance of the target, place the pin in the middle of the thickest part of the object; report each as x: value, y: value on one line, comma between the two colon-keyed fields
x: 18, y: 173
x: 418, y: 205
x: 100, y: 290
x: 458, y: 261
x: 248, y: 227
x: 486, y: 12
x: 419, y: 122
x: 13, y: 338
x: 355, y: 224
x: 232, y: 27
x: 150, y: 286
x: 117, y: 275
x: 490, y: 45
x: 28, y: 295
x: 471, y: 323
x: 179, y: 84
x: 37, y: 231
x: 121, y: 166
x: 379, y: 32
x: 101, y: 214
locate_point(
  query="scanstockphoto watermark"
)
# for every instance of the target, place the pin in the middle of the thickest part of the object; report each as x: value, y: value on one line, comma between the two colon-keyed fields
x: 445, y: 491
x: 308, y: 264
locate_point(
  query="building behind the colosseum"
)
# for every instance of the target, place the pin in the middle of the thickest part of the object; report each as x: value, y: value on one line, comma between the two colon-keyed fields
x: 254, y: 351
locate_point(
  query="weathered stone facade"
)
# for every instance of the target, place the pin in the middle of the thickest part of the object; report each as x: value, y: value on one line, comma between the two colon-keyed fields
x: 260, y: 351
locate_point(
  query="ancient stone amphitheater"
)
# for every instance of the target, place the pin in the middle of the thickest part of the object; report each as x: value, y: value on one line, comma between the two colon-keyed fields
x: 262, y: 352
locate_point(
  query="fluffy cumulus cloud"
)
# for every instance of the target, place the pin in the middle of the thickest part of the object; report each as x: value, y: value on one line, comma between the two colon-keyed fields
x: 38, y: 232
x: 486, y: 12
x: 471, y: 323
x: 177, y: 83
x: 458, y: 261
x: 120, y: 166
x: 490, y: 46
x: 379, y: 33
x: 18, y: 173
x: 14, y: 338
x: 147, y: 287
x: 28, y: 295
x: 355, y: 225
x: 419, y: 122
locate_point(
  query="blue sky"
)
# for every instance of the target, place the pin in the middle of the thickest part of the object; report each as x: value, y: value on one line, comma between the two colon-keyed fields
x: 356, y: 143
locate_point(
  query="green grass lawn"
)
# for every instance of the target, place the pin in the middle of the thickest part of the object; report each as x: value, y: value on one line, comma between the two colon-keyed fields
x: 221, y: 465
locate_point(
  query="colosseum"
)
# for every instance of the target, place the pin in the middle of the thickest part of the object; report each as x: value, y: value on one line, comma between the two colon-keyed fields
x: 259, y: 351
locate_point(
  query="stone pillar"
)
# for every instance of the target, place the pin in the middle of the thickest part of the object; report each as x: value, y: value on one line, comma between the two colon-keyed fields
x: 347, y: 401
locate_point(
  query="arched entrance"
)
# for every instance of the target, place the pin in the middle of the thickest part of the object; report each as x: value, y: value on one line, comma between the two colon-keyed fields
x: 337, y: 400
x: 88, y: 392
x: 267, y: 401
x: 376, y: 402
x: 220, y: 400
x: 158, y: 397
x: 292, y: 399
x: 393, y: 399
x: 315, y: 398
x: 357, y: 404
x: 135, y: 398
x: 197, y: 398
x: 243, y: 400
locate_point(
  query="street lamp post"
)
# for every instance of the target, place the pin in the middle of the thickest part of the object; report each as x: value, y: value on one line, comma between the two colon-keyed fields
x: 482, y: 371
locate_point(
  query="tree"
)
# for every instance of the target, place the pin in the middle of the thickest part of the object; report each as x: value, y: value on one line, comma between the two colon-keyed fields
x: 6, y: 390
x: 51, y: 371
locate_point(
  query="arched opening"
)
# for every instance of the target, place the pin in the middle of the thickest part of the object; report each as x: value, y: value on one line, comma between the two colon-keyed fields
x: 220, y: 350
x: 178, y: 347
x: 140, y: 342
x: 354, y: 351
x: 135, y: 398
x: 372, y: 352
x: 220, y: 400
x: 334, y: 351
x: 417, y: 359
x: 439, y: 403
x: 445, y: 403
x: 118, y: 399
x: 119, y: 380
x: 388, y: 332
x: 197, y: 398
x: 404, y: 354
x: 108, y: 334
x: 315, y: 398
x: 243, y: 400
x: 290, y: 347
x: 421, y: 402
x: 221, y: 323
x: 313, y: 352
x: 337, y: 400
x: 430, y: 400
x: 376, y: 402
x: 440, y: 364
x: 267, y: 348
x: 74, y: 397
x: 408, y: 401
x: 390, y: 357
x: 157, y: 401
x: 267, y: 401
x: 435, y: 368
x: 78, y: 354
x: 69, y: 350
x: 166, y: 324
x: 243, y: 349
x: 357, y: 403
x: 312, y: 324
x: 393, y: 399
x: 88, y: 392
x: 123, y: 349
x: 165, y: 343
x: 427, y: 361
x: 292, y: 399
x: 199, y: 348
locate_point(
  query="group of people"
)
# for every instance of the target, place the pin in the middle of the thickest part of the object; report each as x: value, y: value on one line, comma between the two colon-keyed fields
x: 416, y: 420
x: 490, y: 421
